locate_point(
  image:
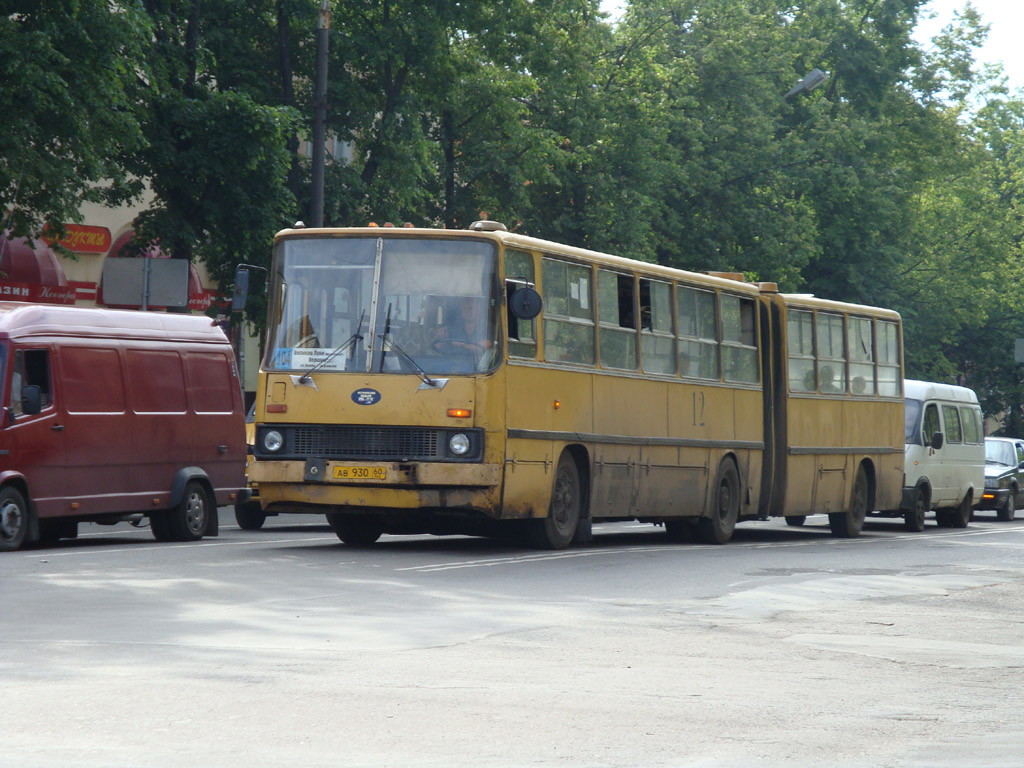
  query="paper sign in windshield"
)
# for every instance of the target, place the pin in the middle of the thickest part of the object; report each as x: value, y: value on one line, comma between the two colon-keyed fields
x: 322, y: 359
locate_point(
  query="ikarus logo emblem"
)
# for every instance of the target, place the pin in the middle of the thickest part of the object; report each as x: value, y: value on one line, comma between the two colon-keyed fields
x: 366, y: 397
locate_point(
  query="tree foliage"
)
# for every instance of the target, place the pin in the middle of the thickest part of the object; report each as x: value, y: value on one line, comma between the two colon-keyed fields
x: 664, y: 135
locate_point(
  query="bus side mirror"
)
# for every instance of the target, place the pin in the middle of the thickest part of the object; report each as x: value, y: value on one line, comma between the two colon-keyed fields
x: 241, y: 293
x: 525, y: 303
x: 31, y: 399
x: 937, y: 440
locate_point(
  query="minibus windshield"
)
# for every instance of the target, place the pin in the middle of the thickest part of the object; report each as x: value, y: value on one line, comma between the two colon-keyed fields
x: 422, y: 306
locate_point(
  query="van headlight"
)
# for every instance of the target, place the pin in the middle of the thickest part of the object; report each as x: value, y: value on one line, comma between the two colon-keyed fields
x: 272, y: 441
x: 459, y: 444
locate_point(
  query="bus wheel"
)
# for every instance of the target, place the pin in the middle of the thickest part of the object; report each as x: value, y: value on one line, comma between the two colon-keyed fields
x: 188, y: 521
x: 250, y: 516
x: 718, y: 527
x: 557, y: 529
x: 961, y: 516
x: 355, y: 530
x: 13, y: 519
x: 848, y: 525
x: 1006, y: 512
x: 913, y: 520
x: 796, y: 520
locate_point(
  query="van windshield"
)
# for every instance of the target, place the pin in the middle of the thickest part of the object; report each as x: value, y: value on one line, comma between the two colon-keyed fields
x: 912, y: 422
x: 384, y: 304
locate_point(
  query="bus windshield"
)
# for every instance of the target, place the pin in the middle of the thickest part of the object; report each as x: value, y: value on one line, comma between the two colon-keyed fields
x: 384, y: 304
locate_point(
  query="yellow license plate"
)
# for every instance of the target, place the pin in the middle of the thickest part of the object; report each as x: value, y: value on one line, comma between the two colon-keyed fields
x: 360, y: 473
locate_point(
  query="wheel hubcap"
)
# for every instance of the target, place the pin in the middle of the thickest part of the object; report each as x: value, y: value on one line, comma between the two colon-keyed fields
x: 11, y: 519
x: 195, y: 512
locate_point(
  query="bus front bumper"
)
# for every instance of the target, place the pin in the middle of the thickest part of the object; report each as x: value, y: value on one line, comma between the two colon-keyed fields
x: 298, y: 485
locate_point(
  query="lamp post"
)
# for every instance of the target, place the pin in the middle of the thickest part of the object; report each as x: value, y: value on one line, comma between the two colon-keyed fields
x: 807, y: 83
x: 316, y: 204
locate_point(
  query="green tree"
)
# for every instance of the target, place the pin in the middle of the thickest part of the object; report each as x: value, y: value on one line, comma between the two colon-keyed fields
x: 69, y: 70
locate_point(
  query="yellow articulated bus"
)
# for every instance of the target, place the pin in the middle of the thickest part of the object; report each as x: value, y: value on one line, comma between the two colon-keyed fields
x: 479, y: 381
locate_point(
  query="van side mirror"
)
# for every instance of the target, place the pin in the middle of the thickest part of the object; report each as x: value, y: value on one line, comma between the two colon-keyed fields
x: 31, y: 399
x: 525, y: 303
x: 937, y: 440
x: 241, y: 292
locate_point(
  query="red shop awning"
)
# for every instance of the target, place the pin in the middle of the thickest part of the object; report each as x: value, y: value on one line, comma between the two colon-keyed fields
x: 30, y: 271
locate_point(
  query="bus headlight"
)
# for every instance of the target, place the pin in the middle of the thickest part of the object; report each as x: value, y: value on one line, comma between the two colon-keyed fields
x: 272, y: 441
x: 459, y: 444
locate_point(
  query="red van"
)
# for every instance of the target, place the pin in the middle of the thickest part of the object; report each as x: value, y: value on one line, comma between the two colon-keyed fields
x: 111, y: 416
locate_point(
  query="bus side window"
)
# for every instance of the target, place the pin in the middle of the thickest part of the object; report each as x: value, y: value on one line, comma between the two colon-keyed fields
x: 522, y: 339
x: 831, y: 355
x: 739, y: 345
x: 657, y: 340
x: 697, y: 325
x: 800, y: 343
x: 616, y: 317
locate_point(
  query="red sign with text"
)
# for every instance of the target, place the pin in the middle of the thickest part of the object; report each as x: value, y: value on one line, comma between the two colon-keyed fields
x: 40, y: 294
x: 82, y: 238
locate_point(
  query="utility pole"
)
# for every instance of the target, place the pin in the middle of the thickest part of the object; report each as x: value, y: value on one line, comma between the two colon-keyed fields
x: 316, y: 205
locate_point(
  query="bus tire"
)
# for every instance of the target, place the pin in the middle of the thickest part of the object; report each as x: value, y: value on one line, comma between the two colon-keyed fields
x: 849, y: 524
x: 189, y: 520
x: 556, y: 531
x: 356, y: 530
x: 14, y: 519
x: 961, y: 516
x: 1007, y: 512
x: 718, y: 526
x: 913, y: 519
x: 250, y: 516
x: 796, y: 520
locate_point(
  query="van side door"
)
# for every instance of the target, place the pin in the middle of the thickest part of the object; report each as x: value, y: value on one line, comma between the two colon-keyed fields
x: 936, y: 469
x: 37, y: 440
x: 956, y: 463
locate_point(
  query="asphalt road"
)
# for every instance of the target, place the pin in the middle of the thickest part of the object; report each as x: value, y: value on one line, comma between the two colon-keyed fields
x: 284, y: 647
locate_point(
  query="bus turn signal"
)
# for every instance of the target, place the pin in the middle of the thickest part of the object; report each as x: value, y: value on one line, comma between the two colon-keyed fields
x: 460, y: 413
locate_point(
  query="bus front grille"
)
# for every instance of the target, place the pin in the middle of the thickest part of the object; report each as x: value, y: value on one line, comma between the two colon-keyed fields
x: 372, y: 443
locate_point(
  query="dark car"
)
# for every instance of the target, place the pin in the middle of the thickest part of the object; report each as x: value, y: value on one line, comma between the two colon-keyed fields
x: 1004, y: 476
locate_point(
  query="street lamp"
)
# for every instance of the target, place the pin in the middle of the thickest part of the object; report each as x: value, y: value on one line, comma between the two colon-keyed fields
x: 807, y: 83
x: 316, y: 213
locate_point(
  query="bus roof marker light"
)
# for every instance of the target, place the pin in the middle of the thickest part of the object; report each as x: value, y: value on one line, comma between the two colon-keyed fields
x: 486, y: 225
x: 557, y: 404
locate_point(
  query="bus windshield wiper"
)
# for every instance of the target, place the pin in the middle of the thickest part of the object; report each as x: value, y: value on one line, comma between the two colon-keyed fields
x: 351, y: 340
x: 388, y: 343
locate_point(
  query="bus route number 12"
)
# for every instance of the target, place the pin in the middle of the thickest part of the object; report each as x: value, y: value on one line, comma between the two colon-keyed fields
x: 698, y: 409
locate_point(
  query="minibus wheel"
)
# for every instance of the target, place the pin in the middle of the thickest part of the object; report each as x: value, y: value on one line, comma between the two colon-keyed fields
x: 14, y: 519
x: 556, y: 531
x: 189, y: 520
x: 717, y: 528
x: 848, y: 525
x: 913, y: 520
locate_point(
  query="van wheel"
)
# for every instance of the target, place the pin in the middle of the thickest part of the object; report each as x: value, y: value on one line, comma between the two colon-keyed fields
x: 356, y: 530
x: 849, y: 524
x: 250, y: 516
x: 557, y: 529
x: 1006, y: 512
x: 188, y: 521
x: 796, y: 520
x: 14, y: 516
x: 913, y: 520
x: 962, y: 515
x: 719, y: 526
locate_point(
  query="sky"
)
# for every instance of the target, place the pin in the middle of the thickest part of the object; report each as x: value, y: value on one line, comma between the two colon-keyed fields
x: 1005, y: 18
